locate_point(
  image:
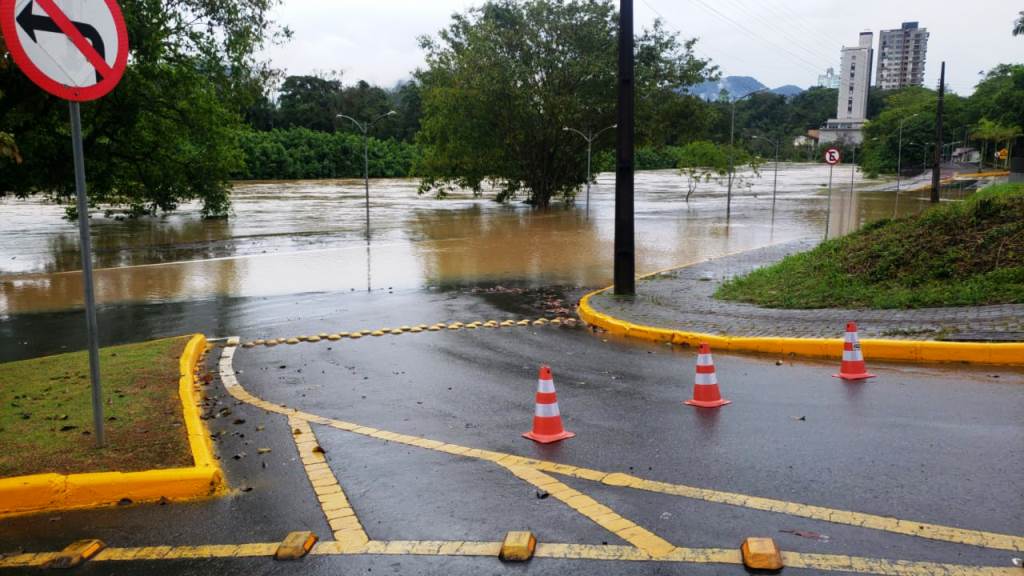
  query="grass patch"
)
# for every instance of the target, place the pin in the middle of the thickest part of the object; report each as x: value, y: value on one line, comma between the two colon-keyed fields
x: 46, y: 412
x: 960, y: 254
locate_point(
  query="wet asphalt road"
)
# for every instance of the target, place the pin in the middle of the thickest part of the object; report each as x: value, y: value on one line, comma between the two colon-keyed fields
x: 933, y: 444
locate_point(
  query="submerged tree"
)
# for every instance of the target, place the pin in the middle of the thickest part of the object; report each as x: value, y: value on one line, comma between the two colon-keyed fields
x: 504, y: 79
x: 700, y: 161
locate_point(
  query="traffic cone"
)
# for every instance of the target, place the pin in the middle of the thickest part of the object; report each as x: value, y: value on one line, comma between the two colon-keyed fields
x: 547, y: 420
x: 853, y: 367
x: 705, y: 386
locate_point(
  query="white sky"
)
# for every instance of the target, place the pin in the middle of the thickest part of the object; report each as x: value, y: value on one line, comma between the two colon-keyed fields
x: 776, y: 41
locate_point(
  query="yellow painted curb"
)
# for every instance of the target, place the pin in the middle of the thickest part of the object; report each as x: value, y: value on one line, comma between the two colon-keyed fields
x: 48, y: 492
x: 930, y: 351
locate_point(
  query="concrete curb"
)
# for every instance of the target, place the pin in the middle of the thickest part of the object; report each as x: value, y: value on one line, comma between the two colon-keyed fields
x: 48, y: 492
x: 1008, y: 354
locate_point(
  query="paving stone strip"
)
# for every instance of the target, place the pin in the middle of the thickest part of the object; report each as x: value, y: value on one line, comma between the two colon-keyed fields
x: 682, y: 299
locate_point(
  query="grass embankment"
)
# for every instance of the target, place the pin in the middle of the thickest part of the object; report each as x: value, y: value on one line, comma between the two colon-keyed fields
x: 957, y: 254
x: 46, y: 412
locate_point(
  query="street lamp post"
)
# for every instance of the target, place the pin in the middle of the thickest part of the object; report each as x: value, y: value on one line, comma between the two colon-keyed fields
x: 589, y: 137
x: 732, y: 141
x: 364, y: 127
x: 775, y: 183
x: 899, y: 166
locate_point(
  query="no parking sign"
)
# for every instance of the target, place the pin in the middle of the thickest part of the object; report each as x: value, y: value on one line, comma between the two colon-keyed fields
x: 77, y: 50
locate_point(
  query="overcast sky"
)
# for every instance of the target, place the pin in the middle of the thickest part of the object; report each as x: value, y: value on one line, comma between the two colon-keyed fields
x: 776, y: 41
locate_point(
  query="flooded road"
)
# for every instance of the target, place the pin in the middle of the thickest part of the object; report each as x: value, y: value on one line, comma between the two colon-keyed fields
x: 309, y: 236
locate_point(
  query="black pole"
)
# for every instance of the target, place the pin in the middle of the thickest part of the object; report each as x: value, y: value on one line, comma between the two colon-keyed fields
x: 937, y: 156
x: 625, y: 256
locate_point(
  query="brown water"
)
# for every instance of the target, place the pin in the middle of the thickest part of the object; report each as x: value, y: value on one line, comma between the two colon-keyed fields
x: 309, y: 236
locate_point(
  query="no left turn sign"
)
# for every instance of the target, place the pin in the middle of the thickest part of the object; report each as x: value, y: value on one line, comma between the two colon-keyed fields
x: 74, y: 49
x: 832, y: 156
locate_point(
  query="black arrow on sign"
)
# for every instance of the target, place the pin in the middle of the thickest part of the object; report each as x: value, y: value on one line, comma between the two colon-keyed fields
x: 32, y: 23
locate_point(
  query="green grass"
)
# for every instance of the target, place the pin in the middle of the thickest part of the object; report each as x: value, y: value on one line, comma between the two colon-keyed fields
x: 959, y: 254
x: 46, y: 412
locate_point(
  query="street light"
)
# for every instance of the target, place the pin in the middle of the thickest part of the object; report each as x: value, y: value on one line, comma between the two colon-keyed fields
x: 364, y: 127
x: 732, y: 141
x: 775, y: 184
x: 899, y: 165
x: 589, y: 137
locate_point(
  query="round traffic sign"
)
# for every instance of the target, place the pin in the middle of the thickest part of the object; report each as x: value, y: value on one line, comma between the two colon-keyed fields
x: 833, y: 156
x: 76, y: 51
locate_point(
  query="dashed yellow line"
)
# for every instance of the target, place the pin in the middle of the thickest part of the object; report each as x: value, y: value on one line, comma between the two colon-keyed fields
x: 334, y: 337
x: 818, y: 562
x: 345, y: 525
x: 835, y: 516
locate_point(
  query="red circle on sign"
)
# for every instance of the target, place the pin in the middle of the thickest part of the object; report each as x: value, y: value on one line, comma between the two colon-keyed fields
x: 9, y: 27
x: 833, y: 156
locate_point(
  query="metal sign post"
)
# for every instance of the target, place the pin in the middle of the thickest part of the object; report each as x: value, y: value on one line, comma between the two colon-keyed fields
x: 86, y: 248
x: 832, y: 157
x: 77, y: 60
x: 828, y: 212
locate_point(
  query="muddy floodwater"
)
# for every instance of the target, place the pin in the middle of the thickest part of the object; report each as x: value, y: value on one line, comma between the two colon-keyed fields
x: 310, y: 236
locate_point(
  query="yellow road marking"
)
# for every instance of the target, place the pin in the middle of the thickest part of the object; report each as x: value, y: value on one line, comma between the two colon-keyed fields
x: 603, y: 516
x: 337, y: 509
x: 558, y: 321
x: 835, y: 516
x: 818, y: 562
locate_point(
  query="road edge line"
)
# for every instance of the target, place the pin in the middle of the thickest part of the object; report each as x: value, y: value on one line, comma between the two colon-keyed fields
x: 918, y: 351
x: 38, y: 493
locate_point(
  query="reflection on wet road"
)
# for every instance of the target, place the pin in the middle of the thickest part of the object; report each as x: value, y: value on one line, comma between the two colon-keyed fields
x: 301, y: 237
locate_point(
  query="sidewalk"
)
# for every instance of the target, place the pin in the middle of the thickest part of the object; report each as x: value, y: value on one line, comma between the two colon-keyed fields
x: 681, y: 299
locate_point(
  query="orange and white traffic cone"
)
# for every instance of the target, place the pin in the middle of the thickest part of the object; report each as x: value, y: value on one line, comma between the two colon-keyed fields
x: 705, y: 386
x: 547, y: 420
x: 853, y: 367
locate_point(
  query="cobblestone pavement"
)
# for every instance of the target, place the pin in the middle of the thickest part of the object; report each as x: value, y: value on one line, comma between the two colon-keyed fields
x: 682, y: 300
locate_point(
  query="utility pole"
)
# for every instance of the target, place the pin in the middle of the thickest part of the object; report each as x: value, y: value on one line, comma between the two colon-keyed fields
x: 937, y: 166
x: 625, y: 250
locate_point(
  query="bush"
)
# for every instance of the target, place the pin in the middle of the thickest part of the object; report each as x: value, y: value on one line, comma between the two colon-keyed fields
x: 300, y: 153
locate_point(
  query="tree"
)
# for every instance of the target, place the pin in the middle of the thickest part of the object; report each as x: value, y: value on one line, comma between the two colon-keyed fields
x: 1018, y: 26
x: 915, y: 108
x: 504, y: 79
x: 700, y: 161
x: 310, y: 102
x: 1000, y: 96
x: 989, y: 131
x: 8, y: 149
x: 169, y: 132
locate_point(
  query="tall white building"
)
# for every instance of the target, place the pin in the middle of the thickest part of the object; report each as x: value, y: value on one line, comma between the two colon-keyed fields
x: 902, y: 54
x: 829, y: 79
x: 854, y: 85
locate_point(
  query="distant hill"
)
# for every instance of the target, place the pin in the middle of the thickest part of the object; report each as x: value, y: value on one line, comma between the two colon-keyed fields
x: 788, y: 90
x: 738, y: 87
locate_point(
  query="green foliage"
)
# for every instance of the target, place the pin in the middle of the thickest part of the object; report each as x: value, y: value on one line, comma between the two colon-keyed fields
x: 700, y: 161
x: 1000, y: 96
x: 300, y: 153
x: 915, y: 107
x: 169, y: 132
x: 314, y: 102
x: 504, y: 79
x: 967, y: 253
